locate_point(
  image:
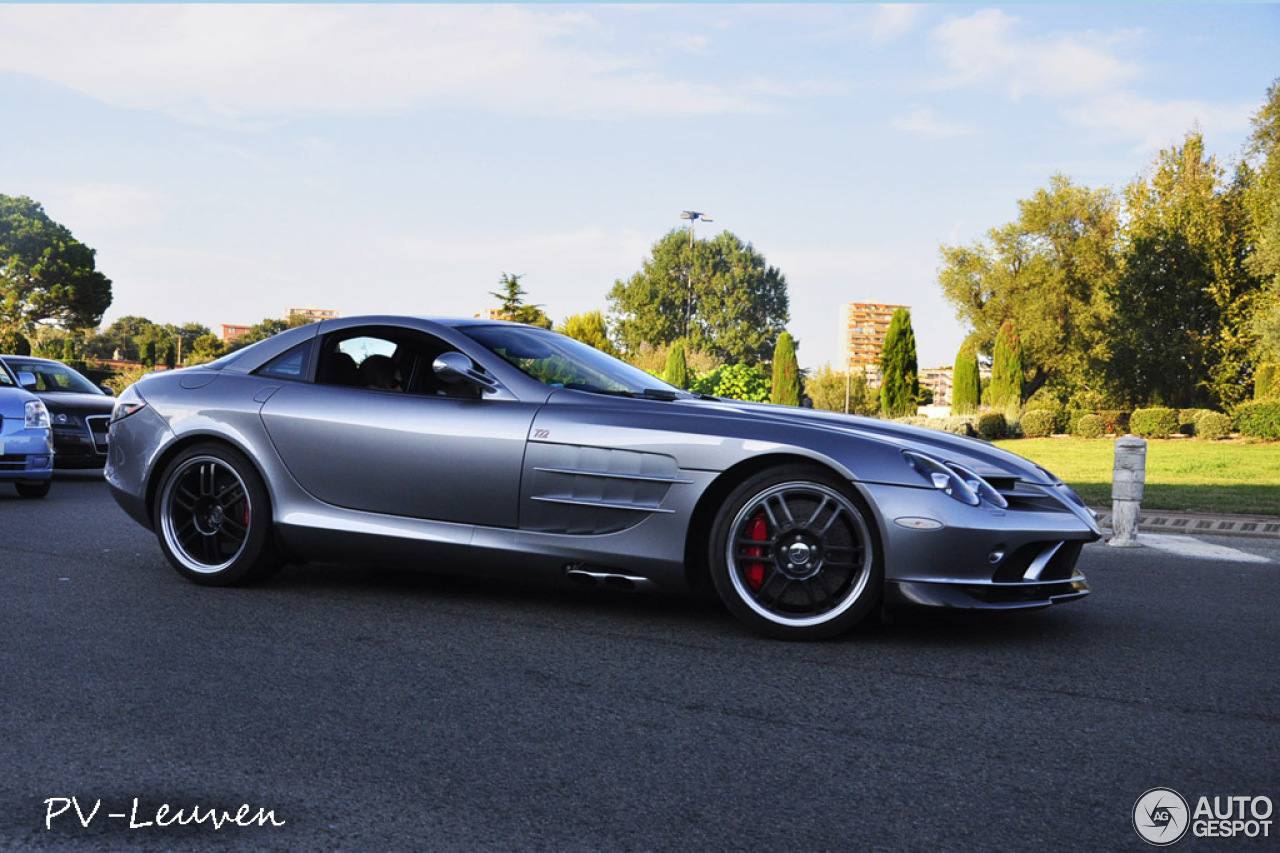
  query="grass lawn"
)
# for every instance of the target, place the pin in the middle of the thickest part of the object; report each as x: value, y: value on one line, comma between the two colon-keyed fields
x: 1185, y: 475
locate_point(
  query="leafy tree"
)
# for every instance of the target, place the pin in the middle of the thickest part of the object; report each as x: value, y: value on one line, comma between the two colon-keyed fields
x: 677, y: 371
x: 1006, y: 369
x: 1181, y: 305
x: 736, y: 382
x: 841, y: 392
x: 204, y: 349
x: 1262, y: 203
x: 13, y: 342
x: 966, y: 383
x: 786, y: 372
x: 46, y: 275
x: 589, y: 328
x: 1047, y: 273
x: 513, y: 304
x: 719, y: 295
x: 900, y: 387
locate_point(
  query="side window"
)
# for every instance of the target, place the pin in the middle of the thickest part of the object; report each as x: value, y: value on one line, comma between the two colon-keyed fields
x: 366, y: 359
x: 290, y: 364
x: 383, y: 358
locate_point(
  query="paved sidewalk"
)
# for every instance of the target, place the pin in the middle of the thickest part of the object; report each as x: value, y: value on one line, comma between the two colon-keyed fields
x: 1162, y: 521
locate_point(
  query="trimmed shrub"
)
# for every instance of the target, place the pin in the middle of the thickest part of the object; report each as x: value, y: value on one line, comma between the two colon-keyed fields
x: 957, y: 424
x: 1115, y: 421
x: 1259, y: 420
x: 1187, y: 420
x: 1091, y: 426
x: 1156, y: 422
x: 1038, y: 424
x: 1073, y: 419
x: 1212, y: 426
x: 992, y: 426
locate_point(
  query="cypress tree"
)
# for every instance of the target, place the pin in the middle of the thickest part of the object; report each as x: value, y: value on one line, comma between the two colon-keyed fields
x: 786, y: 372
x: 677, y: 370
x: 901, y: 386
x: 966, y: 385
x: 1006, y: 369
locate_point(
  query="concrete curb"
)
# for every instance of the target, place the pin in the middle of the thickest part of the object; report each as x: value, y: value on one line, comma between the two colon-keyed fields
x: 1160, y: 521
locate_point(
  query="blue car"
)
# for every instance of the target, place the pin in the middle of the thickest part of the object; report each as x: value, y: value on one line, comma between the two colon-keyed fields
x: 26, y: 440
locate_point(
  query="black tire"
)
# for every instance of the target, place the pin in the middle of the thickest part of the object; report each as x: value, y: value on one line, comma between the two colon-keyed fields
x: 794, y: 555
x: 213, y: 517
x: 33, y: 490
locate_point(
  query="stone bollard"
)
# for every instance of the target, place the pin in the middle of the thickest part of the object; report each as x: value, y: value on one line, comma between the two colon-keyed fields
x: 1127, y: 480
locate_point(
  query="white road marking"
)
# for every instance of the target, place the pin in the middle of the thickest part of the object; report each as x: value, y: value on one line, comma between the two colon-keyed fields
x: 1189, y: 546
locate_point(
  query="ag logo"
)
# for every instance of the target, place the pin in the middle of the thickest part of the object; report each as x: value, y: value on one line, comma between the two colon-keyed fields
x: 1161, y: 816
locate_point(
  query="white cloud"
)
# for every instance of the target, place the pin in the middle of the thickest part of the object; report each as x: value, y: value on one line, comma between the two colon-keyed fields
x: 893, y: 20
x: 239, y: 64
x: 103, y: 206
x: 985, y: 49
x: 1155, y: 124
x: 923, y: 121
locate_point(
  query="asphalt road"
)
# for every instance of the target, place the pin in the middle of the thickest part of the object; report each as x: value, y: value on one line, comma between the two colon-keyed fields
x: 397, y: 710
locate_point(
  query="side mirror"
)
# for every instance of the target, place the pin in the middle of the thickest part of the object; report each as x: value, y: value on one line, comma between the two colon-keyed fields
x: 108, y: 390
x: 27, y: 380
x: 454, y: 367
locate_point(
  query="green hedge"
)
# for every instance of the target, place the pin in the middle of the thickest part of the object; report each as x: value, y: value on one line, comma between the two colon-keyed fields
x: 1115, y: 421
x: 1091, y: 426
x: 1156, y: 422
x: 1073, y: 419
x: 1259, y: 420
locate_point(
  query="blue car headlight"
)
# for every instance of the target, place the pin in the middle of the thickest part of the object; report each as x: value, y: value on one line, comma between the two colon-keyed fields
x: 955, y: 480
x: 37, y: 416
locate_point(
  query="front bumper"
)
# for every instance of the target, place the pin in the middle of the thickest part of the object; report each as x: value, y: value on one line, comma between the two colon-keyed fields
x: 25, y: 454
x: 1019, y: 558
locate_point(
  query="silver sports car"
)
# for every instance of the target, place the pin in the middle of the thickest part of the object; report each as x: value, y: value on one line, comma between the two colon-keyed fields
x: 469, y: 445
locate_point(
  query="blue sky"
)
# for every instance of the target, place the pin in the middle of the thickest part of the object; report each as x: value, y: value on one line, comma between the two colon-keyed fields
x: 227, y: 161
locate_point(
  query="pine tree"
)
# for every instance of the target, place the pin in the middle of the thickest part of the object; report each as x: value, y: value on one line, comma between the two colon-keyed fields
x: 786, y: 372
x: 901, y: 386
x: 1006, y: 369
x: 677, y: 372
x: 966, y: 385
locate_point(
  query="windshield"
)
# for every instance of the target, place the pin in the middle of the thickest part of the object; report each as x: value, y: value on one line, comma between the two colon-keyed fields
x: 52, y: 377
x: 562, y: 362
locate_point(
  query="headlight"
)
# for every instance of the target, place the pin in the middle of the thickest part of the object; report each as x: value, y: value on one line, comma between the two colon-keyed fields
x: 37, y: 415
x: 955, y: 480
x: 126, y: 404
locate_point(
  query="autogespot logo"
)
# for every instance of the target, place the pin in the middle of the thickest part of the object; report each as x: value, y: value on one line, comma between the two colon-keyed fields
x: 1160, y: 816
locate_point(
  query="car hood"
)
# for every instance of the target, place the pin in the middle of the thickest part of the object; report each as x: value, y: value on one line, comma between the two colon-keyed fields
x: 13, y: 402
x: 78, y: 404
x: 980, y: 456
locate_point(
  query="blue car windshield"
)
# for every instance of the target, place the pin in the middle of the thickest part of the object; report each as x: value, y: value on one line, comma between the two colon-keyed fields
x: 562, y: 362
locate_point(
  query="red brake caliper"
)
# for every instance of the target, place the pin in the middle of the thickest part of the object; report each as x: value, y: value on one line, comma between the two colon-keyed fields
x: 757, y: 531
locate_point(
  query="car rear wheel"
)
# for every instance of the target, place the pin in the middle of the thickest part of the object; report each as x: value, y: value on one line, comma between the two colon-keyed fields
x: 213, y: 517
x: 33, y: 490
x: 794, y: 555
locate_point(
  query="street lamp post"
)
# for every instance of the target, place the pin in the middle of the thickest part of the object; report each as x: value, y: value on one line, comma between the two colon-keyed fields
x: 693, y: 216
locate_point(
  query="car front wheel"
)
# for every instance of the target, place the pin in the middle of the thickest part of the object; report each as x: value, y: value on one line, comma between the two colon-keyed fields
x: 213, y: 517
x: 794, y: 556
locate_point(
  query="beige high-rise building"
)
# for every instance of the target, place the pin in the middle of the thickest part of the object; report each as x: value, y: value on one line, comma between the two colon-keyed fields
x: 312, y: 314
x: 863, y: 327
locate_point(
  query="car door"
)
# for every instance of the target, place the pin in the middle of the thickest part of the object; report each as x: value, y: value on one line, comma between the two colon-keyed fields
x: 414, y: 449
